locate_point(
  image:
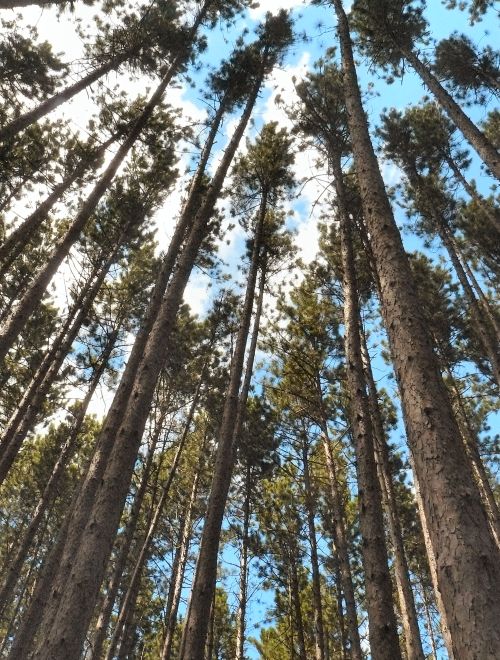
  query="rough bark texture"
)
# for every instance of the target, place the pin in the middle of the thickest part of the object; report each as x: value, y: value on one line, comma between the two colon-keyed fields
x: 467, y: 557
x: 409, y: 618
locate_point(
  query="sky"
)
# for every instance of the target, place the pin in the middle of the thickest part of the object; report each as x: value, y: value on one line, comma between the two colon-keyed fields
x: 318, y: 23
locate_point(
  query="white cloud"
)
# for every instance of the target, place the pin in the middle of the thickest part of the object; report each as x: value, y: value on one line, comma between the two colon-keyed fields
x: 274, y: 6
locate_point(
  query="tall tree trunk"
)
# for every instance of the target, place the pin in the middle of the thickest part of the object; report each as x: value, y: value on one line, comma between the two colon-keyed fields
x: 297, y: 610
x: 129, y: 602
x: 470, y: 131
x: 467, y: 560
x: 50, y: 491
x: 428, y: 621
x: 493, y: 217
x: 107, y: 496
x: 209, y: 646
x: 179, y: 565
x: 413, y: 641
x: 319, y: 635
x: 383, y: 632
x: 45, y: 107
x: 25, y: 417
x: 448, y: 640
x: 471, y: 443
x: 342, y: 545
x: 19, y: 238
x: 106, y: 609
x: 33, y: 296
x: 484, y: 334
x: 195, y: 630
x: 242, y: 598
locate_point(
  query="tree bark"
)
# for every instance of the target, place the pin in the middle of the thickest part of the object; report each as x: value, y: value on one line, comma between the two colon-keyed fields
x: 242, y: 598
x: 383, y: 633
x: 129, y: 602
x: 179, y: 566
x: 106, y: 609
x: 467, y: 559
x: 297, y: 610
x: 342, y: 546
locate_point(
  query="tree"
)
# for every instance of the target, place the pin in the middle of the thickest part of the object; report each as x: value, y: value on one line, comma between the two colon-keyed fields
x: 432, y: 430
x: 387, y: 33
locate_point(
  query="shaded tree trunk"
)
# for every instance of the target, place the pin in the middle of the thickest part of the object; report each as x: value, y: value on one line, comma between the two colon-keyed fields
x: 129, y: 602
x: 242, y: 598
x: 179, y: 565
x: 383, y: 633
x: 342, y: 547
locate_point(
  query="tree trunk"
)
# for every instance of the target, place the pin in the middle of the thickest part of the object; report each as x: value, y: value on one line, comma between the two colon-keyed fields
x: 103, y: 509
x: 297, y: 610
x: 342, y: 547
x: 17, y: 240
x: 195, y: 631
x: 471, y: 443
x: 473, y: 194
x: 319, y: 635
x: 413, y: 641
x: 383, y: 632
x: 467, y: 560
x: 242, y: 598
x: 472, y: 134
x: 23, y: 121
x: 179, y: 566
x: 50, y: 490
x: 448, y: 640
x: 33, y: 296
x: 106, y: 609
x: 25, y: 417
x: 129, y: 602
